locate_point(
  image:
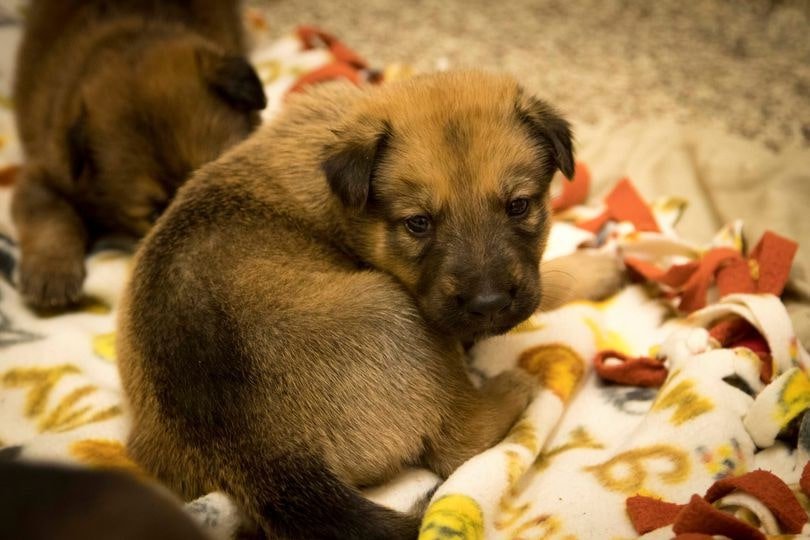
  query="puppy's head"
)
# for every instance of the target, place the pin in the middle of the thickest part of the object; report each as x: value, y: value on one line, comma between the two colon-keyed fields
x: 444, y: 182
x: 144, y: 123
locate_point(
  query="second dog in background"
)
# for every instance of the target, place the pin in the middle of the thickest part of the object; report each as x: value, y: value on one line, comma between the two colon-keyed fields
x: 117, y: 101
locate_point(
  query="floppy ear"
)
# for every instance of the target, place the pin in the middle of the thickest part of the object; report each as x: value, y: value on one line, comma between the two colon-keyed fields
x: 233, y: 79
x: 349, y: 163
x: 78, y: 145
x: 550, y: 130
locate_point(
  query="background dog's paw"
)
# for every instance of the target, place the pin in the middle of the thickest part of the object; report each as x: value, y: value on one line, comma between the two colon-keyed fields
x: 51, y: 283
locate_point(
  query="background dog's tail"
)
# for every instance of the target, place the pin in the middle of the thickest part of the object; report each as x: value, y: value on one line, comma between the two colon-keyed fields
x: 299, y: 497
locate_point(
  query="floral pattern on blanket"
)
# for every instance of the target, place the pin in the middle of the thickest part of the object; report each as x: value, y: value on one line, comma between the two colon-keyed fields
x: 567, y: 468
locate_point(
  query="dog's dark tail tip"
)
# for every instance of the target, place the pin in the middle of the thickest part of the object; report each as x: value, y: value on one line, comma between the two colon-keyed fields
x: 300, y: 497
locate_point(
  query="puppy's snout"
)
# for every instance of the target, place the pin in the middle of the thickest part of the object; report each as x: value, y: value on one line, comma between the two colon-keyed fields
x: 486, y: 303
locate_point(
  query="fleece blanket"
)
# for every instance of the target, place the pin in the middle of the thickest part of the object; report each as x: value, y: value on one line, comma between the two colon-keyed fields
x: 674, y: 407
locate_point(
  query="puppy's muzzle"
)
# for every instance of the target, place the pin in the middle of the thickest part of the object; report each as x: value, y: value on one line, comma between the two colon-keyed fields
x: 486, y: 304
x: 491, y: 307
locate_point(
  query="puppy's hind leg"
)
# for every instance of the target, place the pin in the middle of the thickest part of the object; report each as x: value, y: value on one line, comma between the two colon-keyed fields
x: 479, y: 419
x: 52, y: 240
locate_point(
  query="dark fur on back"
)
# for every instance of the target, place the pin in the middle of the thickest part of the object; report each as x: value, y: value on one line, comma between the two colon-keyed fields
x: 117, y: 102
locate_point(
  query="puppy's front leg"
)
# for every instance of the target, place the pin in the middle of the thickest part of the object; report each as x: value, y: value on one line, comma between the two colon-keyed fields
x: 53, y: 241
x: 479, y: 420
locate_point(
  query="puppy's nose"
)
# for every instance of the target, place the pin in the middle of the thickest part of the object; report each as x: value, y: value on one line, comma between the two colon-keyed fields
x: 488, y: 303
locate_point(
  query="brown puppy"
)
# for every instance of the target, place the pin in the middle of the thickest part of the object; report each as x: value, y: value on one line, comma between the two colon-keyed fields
x: 47, y: 501
x: 117, y: 101
x: 293, y: 327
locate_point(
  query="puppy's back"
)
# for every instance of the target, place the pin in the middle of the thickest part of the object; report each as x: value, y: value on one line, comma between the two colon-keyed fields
x: 48, y: 20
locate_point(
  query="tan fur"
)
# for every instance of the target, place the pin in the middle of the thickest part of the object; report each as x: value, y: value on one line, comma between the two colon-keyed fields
x: 280, y: 341
x: 116, y: 102
x: 580, y: 276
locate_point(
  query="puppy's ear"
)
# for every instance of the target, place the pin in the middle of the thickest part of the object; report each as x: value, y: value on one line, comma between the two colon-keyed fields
x: 233, y: 79
x: 350, y: 162
x: 550, y: 130
x: 78, y: 144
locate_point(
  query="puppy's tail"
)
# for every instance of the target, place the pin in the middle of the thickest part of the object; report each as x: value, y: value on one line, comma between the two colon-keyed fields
x: 300, y: 498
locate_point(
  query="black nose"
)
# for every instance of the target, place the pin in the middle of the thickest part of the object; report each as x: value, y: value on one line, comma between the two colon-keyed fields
x: 488, y: 303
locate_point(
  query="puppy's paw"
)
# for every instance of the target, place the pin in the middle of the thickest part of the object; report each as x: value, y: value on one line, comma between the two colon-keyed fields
x: 604, y: 275
x: 50, y: 282
x: 514, y: 386
x: 583, y: 275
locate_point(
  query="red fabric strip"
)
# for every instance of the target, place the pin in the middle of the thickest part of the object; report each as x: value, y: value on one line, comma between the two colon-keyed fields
x: 730, y: 330
x: 695, y: 289
x: 735, y: 277
x: 647, y: 514
x: 774, y: 255
x: 594, y: 224
x: 312, y: 37
x: 735, y: 332
x: 639, y: 371
x: 574, y: 191
x: 701, y: 517
x: 625, y: 204
x: 675, y: 276
x: 771, y: 490
x: 329, y: 72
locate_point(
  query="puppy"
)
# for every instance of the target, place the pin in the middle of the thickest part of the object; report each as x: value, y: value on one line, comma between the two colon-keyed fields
x: 45, y: 501
x: 117, y: 101
x: 294, y: 323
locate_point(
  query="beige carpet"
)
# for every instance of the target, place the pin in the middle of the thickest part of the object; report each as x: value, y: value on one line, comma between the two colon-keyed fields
x: 740, y: 65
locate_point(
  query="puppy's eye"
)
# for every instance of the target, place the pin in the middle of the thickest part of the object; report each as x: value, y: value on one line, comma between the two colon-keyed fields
x: 418, y: 225
x: 517, y: 207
